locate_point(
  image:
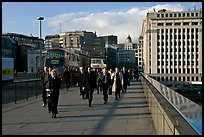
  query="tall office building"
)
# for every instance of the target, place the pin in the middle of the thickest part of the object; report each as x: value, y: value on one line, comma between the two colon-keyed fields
x: 76, y: 39
x: 52, y: 41
x: 139, y: 53
x: 172, y: 42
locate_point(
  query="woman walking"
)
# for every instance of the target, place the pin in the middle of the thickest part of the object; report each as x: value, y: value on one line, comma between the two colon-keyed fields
x: 53, y: 87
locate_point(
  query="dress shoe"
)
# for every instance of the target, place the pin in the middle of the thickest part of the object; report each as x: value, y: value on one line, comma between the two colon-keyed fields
x: 53, y: 115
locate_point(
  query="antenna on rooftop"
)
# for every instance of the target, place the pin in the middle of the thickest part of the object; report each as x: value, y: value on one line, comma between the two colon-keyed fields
x: 60, y: 28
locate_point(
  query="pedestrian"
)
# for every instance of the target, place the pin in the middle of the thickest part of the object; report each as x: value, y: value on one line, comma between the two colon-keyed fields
x: 53, y: 87
x: 136, y: 73
x: 80, y: 76
x: 67, y: 77
x: 98, y: 80
x: 89, y: 84
x: 112, y: 74
x: 117, y: 84
x: 44, y: 79
x: 105, y: 83
x: 126, y: 79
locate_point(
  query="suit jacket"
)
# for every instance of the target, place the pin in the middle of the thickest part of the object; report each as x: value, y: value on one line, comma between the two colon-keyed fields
x: 117, y: 84
x: 89, y: 80
x: 107, y: 81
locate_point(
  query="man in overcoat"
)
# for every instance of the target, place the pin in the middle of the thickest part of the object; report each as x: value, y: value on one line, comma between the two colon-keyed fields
x: 89, y: 84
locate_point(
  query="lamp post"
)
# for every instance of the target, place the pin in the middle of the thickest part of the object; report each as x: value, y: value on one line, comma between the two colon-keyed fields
x: 40, y: 19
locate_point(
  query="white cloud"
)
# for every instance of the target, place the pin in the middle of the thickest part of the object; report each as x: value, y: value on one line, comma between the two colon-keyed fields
x: 120, y: 23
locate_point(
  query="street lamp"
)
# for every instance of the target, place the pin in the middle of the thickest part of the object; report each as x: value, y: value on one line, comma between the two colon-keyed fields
x: 40, y: 19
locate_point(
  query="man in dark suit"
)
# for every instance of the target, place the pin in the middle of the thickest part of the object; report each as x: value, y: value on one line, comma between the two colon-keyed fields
x: 44, y: 77
x: 105, y: 84
x: 126, y: 79
x: 89, y: 83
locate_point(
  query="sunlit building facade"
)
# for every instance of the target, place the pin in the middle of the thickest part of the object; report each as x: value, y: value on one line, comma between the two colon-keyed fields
x: 172, y: 43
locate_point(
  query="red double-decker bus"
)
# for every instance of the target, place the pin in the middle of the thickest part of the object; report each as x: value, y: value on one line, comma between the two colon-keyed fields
x: 59, y: 58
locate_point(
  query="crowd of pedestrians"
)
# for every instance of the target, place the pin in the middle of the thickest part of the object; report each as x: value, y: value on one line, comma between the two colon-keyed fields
x: 109, y: 82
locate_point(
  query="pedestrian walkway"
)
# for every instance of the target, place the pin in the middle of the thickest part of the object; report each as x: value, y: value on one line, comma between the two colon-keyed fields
x: 127, y: 116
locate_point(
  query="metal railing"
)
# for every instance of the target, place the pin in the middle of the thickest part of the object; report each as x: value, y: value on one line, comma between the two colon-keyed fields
x: 25, y: 86
x: 172, y: 113
x: 21, y: 89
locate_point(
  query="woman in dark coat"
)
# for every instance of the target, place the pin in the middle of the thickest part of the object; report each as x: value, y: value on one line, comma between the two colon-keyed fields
x: 53, y: 87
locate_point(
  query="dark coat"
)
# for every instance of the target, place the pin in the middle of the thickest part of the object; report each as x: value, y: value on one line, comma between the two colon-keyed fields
x: 126, y: 77
x: 53, y: 84
x: 89, y: 80
x: 102, y: 78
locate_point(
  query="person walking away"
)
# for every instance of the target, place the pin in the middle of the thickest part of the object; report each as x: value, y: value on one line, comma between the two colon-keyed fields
x: 44, y: 79
x: 126, y: 78
x: 89, y: 84
x: 53, y: 87
x: 80, y: 76
x: 117, y: 84
x: 136, y: 73
x: 105, y: 83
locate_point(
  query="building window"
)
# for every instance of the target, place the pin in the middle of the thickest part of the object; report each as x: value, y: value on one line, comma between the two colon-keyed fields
x: 188, y: 14
x: 160, y: 24
x: 168, y: 24
x: 194, y: 23
x: 186, y: 23
x: 183, y: 14
x: 177, y: 24
x: 175, y: 70
x: 192, y: 14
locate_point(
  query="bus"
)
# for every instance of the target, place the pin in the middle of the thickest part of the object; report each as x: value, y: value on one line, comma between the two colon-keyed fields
x: 59, y: 58
x: 97, y: 63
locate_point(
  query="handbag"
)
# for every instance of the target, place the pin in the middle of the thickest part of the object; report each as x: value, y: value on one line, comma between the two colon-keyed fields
x: 128, y: 83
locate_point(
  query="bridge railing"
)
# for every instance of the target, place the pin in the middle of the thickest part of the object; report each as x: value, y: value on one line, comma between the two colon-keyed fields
x: 172, y: 113
x: 25, y: 86
x: 20, y: 90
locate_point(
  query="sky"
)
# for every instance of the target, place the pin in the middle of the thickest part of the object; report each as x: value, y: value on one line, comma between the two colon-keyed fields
x: 104, y: 18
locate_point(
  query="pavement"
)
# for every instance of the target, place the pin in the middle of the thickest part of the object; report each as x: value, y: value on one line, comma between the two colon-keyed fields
x: 129, y: 115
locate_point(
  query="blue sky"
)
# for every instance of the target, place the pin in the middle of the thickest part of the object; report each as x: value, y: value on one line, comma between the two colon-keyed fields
x: 104, y: 18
